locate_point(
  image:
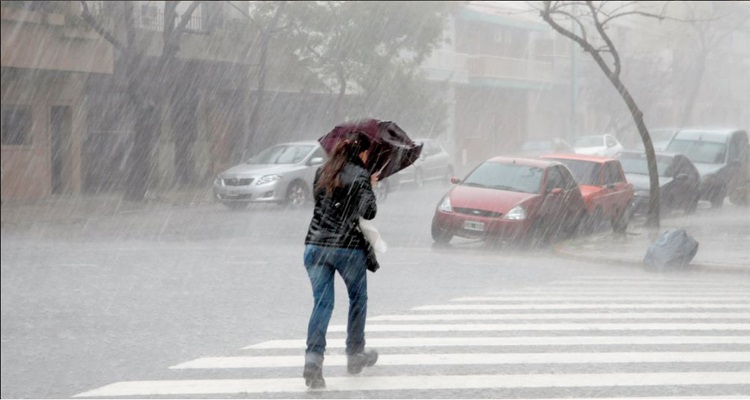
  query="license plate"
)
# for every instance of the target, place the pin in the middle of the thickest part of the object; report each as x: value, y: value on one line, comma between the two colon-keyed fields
x: 474, y: 226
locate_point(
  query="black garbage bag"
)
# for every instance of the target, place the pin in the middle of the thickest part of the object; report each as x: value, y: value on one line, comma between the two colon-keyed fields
x: 673, y: 250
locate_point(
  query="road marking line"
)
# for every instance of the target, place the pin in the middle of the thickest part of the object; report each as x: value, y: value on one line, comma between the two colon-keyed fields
x: 570, y: 306
x: 418, y: 382
x: 476, y: 359
x: 515, y: 341
x: 556, y: 316
x: 547, y: 327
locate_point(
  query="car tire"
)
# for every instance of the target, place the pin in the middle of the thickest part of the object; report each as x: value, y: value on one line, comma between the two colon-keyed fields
x: 297, y: 195
x: 620, y: 222
x: 717, y: 199
x: 440, y: 236
x: 692, y: 205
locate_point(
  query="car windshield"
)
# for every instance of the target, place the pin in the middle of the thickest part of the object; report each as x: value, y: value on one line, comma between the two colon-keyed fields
x: 699, y: 151
x: 502, y: 176
x: 584, y: 172
x: 588, y: 141
x: 637, y: 164
x: 282, y: 154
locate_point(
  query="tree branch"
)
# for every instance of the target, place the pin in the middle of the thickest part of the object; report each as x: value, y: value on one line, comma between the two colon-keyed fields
x: 185, y: 19
x: 96, y: 26
x: 600, y: 28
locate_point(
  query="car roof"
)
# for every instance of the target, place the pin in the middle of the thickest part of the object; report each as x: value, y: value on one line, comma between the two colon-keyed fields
x: 706, y: 135
x: 531, y: 162
x: 581, y: 157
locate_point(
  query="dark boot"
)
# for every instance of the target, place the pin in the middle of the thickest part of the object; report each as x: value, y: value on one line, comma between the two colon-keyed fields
x: 313, y: 372
x: 356, y: 362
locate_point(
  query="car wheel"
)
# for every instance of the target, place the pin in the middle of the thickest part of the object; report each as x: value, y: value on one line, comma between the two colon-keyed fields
x: 539, y: 236
x: 296, y: 195
x: 419, y: 178
x: 621, y: 221
x: 593, y: 222
x: 717, y: 199
x: 692, y: 205
x: 440, y: 236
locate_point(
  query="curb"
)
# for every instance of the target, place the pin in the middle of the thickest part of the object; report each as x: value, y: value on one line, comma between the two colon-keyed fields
x: 734, y: 269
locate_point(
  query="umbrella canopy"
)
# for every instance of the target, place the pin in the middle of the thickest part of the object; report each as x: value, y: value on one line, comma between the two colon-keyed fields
x: 392, y: 150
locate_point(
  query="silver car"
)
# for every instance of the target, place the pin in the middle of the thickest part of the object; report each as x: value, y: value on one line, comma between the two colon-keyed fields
x: 434, y: 164
x: 282, y: 174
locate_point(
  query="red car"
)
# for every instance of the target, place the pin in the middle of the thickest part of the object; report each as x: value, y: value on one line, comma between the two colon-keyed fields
x: 515, y: 199
x: 606, y: 191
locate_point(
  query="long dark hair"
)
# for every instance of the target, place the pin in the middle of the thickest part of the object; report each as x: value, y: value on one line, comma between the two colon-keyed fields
x: 346, y: 150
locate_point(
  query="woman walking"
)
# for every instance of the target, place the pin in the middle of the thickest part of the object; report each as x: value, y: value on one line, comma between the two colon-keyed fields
x: 334, y: 243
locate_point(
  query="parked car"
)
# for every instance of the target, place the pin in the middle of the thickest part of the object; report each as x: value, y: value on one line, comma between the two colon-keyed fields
x: 679, y: 181
x: 535, y: 147
x: 721, y: 157
x: 606, y: 192
x: 601, y: 145
x: 660, y: 138
x: 520, y: 200
x: 282, y: 174
x: 434, y: 164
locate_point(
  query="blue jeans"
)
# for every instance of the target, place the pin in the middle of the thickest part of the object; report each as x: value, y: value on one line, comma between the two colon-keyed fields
x: 321, y: 263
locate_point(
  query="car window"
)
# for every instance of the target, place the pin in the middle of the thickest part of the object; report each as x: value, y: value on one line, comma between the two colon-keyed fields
x: 612, y: 173
x: 554, y: 179
x: 282, y: 154
x: 584, y: 172
x: 611, y: 142
x: 637, y: 164
x: 567, y: 179
x: 502, y: 176
x: 699, y: 151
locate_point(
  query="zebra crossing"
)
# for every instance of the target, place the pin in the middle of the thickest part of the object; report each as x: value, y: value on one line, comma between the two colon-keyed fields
x: 584, y: 337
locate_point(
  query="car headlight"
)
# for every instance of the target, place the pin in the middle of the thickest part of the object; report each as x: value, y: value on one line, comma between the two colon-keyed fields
x: 641, y: 193
x: 445, y: 205
x: 516, y: 213
x: 219, y: 181
x: 265, y: 179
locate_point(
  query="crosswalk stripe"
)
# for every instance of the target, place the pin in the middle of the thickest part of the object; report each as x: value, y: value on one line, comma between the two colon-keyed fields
x: 559, y: 316
x: 547, y: 327
x: 571, y: 306
x: 420, y: 382
x: 476, y: 359
x: 606, y: 298
x: 654, y: 283
x: 617, y: 291
x: 515, y: 341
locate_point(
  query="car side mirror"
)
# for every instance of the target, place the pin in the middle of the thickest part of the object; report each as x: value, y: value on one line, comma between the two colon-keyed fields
x: 455, y: 180
x: 316, y: 161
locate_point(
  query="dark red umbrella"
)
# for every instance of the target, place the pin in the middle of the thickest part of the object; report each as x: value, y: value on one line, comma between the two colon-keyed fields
x: 392, y: 149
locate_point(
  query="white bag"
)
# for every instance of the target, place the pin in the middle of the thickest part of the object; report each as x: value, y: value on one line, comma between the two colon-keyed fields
x: 372, y: 235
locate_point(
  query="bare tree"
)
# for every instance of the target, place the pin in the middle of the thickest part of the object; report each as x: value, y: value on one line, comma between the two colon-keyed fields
x: 591, y: 33
x: 143, y: 100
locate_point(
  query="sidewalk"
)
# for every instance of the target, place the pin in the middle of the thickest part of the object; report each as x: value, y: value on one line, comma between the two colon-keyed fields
x: 723, y: 237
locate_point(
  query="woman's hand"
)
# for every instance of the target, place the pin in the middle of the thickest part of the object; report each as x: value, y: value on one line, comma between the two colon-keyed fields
x: 374, y: 178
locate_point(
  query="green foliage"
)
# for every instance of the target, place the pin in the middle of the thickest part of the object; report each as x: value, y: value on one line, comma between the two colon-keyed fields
x: 372, y: 50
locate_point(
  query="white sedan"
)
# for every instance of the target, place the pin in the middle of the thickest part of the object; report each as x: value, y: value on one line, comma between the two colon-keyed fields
x: 601, y: 145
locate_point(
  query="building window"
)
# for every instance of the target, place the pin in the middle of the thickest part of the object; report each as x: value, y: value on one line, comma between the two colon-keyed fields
x: 15, y: 125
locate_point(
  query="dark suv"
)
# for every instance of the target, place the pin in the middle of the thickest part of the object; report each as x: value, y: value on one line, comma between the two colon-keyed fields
x: 721, y: 156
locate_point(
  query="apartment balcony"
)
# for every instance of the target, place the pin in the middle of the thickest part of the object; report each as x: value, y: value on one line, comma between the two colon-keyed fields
x: 511, y: 72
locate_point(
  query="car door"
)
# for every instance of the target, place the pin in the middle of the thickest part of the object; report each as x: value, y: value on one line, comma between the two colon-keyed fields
x: 561, y: 198
x: 619, y: 192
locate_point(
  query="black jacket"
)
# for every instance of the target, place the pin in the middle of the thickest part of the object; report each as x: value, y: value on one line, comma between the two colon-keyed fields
x: 335, y: 221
